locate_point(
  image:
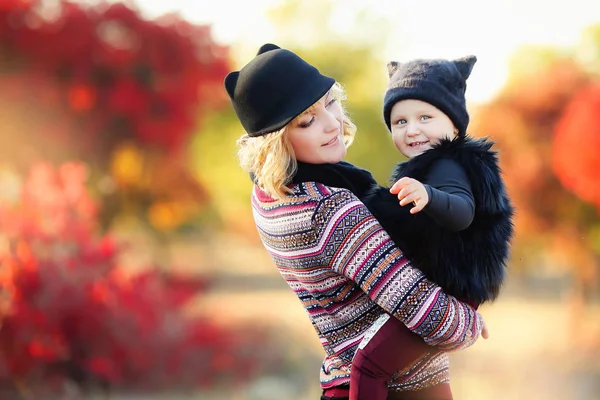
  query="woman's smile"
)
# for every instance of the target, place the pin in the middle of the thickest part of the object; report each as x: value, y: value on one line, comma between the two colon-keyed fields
x: 332, y: 141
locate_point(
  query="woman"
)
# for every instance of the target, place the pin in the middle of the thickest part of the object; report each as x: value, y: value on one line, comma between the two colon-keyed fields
x: 326, y: 244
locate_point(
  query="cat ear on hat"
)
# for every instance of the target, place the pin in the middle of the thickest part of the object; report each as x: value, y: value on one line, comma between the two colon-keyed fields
x: 392, y: 67
x: 267, y: 47
x: 465, y: 65
x: 231, y: 82
x: 232, y: 78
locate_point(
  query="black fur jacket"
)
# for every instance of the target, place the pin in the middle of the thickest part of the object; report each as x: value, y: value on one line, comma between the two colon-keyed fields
x: 469, y: 264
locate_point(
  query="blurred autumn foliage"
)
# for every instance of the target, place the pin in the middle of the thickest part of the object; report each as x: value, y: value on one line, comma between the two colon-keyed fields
x: 98, y: 105
x: 103, y: 84
x: 576, y: 145
x: 70, y: 312
x: 546, y: 122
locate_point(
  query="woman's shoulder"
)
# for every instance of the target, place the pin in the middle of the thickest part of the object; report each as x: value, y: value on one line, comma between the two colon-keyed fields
x: 316, y: 190
x: 329, y: 202
x: 310, y: 201
x: 320, y: 198
x: 304, y: 192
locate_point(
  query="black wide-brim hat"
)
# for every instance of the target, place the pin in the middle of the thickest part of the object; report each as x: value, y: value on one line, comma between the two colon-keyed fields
x: 273, y: 89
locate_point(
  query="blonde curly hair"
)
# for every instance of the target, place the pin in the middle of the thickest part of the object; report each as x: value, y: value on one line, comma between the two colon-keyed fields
x: 271, y: 159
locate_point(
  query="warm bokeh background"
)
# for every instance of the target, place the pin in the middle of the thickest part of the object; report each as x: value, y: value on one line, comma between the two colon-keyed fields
x: 129, y: 262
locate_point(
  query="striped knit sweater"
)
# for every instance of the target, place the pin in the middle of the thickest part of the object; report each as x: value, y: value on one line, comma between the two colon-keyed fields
x: 347, y: 272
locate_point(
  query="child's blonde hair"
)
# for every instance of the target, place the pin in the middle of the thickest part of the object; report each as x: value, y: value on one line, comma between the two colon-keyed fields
x: 270, y: 158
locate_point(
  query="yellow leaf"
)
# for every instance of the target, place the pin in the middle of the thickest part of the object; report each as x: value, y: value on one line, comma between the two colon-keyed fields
x: 127, y: 165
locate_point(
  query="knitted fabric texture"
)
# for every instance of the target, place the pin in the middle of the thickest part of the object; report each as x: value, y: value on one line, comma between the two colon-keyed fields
x: 347, y: 271
x: 441, y: 83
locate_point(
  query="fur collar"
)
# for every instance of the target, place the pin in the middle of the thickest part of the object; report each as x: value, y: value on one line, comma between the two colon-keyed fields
x: 480, y: 163
x: 341, y: 175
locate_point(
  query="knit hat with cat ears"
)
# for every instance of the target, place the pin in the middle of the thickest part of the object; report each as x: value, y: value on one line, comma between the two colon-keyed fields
x: 441, y: 83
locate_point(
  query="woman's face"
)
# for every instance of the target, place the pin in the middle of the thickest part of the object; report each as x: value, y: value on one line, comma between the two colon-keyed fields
x: 317, y: 134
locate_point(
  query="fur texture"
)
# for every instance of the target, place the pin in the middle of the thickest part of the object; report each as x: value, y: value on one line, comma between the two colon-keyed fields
x: 469, y: 264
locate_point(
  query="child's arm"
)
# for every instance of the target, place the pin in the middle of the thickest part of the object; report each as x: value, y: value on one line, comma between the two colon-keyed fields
x: 451, y: 201
x: 446, y: 195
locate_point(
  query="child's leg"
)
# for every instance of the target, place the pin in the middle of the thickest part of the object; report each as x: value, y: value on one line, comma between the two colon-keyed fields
x: 392, y: 348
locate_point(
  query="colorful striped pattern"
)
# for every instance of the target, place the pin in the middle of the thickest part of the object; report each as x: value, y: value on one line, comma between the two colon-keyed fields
x: 346, y: 271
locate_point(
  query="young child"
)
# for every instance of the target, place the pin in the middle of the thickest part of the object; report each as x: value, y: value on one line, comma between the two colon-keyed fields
x: 454, y: 221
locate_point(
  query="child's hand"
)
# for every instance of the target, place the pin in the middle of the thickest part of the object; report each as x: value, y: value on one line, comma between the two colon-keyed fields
x: 410, y: 190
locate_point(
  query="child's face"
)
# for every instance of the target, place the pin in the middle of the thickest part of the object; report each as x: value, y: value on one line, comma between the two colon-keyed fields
x: 417, y: 126
x: 316, y: 135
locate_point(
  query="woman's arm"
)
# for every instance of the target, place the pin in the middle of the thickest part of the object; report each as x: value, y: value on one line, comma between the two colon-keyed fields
x: 352, y: 242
